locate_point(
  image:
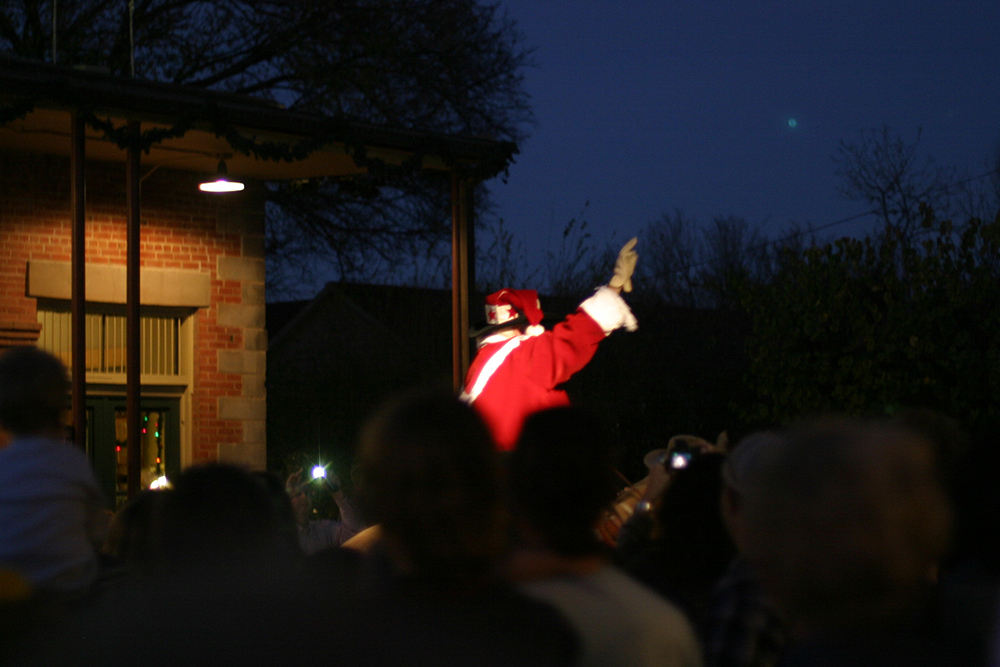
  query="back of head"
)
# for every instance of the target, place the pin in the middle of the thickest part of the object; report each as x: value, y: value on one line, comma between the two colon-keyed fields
x: 217, y: 512
x: 949, y: 441
x: 430, y: 477
x: 741, y: 475
x: 744, y: 463
x: 131, y: 535
x: 281, y: 506
x: 848, y: 522
x: 33, y: 391
x: 561, y: 477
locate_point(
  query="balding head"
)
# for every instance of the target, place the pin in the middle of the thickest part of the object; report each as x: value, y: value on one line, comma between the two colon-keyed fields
x: 848, y: 522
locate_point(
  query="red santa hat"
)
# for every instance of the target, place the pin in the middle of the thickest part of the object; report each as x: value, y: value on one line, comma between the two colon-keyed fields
x: 510, y: 307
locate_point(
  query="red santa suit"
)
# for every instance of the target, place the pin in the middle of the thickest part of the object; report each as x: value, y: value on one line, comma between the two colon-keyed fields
x: 511, y: 378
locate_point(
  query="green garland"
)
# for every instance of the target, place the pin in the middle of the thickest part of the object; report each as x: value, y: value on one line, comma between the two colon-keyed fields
x: 121, y: 137
x: 274, y: 151
x: 266, y: 150
x: 17, y: 110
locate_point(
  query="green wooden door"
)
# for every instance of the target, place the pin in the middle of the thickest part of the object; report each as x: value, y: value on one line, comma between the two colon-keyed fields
x: 107, y: 443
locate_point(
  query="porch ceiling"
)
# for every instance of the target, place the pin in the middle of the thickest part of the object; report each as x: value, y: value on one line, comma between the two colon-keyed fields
x: 48, y: 131
x: 52, y: 93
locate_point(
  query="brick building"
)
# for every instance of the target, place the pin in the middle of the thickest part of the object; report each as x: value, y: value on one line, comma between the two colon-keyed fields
x: 202, y: 305
x: 200, y: 393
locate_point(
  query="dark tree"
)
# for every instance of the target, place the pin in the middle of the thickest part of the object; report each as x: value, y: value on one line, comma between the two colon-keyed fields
x: 735, y: 251
x: 670, y: 251
x: 684, y: 264
x: 501, y: 260
x: 578, y: 265
x: 449, y: 66
x: 886, y: 172
x: 869, y: 326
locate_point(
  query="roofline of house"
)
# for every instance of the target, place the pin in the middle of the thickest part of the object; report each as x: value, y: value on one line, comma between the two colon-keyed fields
x: 54, y: 86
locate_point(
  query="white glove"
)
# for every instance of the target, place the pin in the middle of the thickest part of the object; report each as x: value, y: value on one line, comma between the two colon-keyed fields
x: 609, y: 310
x: 624, y: 266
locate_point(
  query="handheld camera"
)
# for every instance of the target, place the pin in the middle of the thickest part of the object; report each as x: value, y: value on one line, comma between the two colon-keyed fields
x: 319, y: 474
x: 681, y: 455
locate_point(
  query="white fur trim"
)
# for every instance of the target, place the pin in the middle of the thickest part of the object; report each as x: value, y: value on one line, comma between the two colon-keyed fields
x: 489, y: 368
x: 494, y: 338
x: 609, y: 310
x: 533, y: 330
x: 499, y: 314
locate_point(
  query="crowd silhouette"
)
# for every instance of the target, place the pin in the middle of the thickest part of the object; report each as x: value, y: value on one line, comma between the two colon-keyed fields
x: 832, y: 541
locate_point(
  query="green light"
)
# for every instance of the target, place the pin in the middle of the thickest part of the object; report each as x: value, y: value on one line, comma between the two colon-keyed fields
x: 157, y: 434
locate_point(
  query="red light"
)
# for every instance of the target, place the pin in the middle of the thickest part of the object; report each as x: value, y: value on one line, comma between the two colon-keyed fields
x: 158, y: 460
x: 143, y: 430
x: 118, y: 448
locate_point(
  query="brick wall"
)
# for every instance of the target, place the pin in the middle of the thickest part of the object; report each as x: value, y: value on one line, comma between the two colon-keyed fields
x: 182, y: 228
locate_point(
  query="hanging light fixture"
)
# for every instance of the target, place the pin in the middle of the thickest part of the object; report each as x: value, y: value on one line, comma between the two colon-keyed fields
x: 222, y: 183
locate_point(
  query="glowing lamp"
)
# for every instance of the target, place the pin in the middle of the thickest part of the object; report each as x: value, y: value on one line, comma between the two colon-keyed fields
x: 221, y: 182
x: 318, y: 472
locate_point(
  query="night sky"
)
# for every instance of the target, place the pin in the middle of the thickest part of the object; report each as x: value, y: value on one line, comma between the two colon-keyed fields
x: 737, y: 107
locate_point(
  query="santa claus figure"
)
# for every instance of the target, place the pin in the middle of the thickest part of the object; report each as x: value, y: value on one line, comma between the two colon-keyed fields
x: 519, y: 363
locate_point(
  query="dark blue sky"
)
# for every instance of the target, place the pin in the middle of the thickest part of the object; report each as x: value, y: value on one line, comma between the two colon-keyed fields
x: 647, y: 106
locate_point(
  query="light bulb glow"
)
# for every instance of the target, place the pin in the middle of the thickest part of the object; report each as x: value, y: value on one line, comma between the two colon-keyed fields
x: 318, y: 472
x: 221, y: 185
x: 679, y: 461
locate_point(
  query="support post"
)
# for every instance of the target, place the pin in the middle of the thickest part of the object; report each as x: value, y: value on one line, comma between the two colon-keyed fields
x: 133, y: 362
x: 78, y: 272
x: 470, y: 267
x: 460, y: 254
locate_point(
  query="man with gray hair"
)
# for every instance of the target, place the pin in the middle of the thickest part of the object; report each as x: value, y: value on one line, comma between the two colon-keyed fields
x: 845, y: 531
x: 743, y: 627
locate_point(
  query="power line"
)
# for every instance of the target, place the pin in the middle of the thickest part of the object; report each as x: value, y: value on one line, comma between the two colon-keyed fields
x: 783, y: 239
x: 829, y: 225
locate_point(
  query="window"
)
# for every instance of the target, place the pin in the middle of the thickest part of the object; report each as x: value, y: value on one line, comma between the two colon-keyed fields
x: 106, y: 340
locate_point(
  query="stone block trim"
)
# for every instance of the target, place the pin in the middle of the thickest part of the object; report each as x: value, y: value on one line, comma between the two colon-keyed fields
x: 241, y: 269
x: 230, y: 361
x: 242, y: 362
x: 242, y: 409
x: 253, y: 294
x: 255, y: 339
x: 246, y: 455
x: 106, y: 283
x: 253, y: 386
x: 255, y: 432
x: 234, y: 315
